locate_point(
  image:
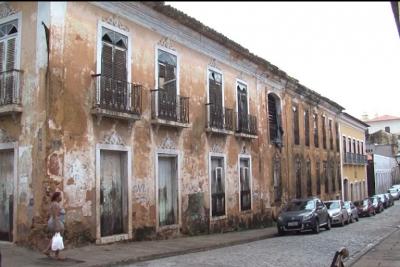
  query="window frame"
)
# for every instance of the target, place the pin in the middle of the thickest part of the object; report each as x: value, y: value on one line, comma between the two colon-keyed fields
x: 100, y: 26
x: 223, y: 156
x: 248, y: 158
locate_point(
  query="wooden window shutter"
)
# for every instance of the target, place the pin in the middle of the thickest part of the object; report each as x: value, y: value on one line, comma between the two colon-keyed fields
x: 10, y: 62
x: 2, y: 56
x: 107, y: 61
x: 120, y: 73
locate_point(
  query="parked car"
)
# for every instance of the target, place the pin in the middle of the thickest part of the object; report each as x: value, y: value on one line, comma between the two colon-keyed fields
x: 337, y: 212
x: 377, y: 203
x: 395, y: 192
x: 390, y: 199
x: 396, y: 186
x: 352, y: 210
x: 303, y: 214
x: 384, y: 199
x: 366, y: 208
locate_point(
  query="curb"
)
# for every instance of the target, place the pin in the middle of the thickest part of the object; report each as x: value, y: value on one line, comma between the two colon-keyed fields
x: 352, y: 260
x: 182, y: 252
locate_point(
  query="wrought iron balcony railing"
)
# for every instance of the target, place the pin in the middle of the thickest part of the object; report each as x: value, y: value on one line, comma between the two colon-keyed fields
x: 246, y: 124
x: 170, y: 107
x: 119, y: 96
x: 355, y: 159
x: 219, y: 117
x: 10, y: 92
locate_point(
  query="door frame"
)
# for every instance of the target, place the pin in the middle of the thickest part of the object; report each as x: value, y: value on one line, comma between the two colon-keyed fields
x: 125, y: 236
x: 168, y: 153
x: 13, y: 146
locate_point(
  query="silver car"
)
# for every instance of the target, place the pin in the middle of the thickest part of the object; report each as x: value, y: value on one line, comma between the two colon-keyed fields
x: 352, y: 210
x: 395, y: 192
x: 337, y: 212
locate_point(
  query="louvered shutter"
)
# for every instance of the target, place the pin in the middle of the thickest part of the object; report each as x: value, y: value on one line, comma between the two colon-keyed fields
x: 170, y: 79
x: 107, y: 61
x: 10, y: 65
x: 2, y: 81
x: 120, y: 73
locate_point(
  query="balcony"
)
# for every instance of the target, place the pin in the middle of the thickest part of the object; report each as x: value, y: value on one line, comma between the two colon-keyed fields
x: 10, y: 93
x: 117, y: 99
x: 355, y: 159
x: 169, y: 109
x: 246, y: 126
x: 219, y: 119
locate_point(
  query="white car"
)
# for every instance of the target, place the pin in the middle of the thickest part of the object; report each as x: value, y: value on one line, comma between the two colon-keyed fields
x: 337, y: 212
x: 395, y: 192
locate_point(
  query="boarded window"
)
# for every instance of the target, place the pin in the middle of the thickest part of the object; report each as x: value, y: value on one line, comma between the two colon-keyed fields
x: 8, y: 41
x: 298, y: 177
x: 318, y: 174
x: 330, y: 134
x: 337, y: 136
x: 167, y: 190
x: 274, y: 119
x: 309, y: 179
x: 323, y: 132
x: 325, y: 175
x: 307, y: 127
x: 315, y: 126
x: 245, y: 189
x: 296, y: 133
x: 277, y: 180
x: 217, y: 187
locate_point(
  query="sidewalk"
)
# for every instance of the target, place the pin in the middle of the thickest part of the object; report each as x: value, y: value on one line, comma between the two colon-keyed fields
x: 130, y: 252
x: 385, y: 254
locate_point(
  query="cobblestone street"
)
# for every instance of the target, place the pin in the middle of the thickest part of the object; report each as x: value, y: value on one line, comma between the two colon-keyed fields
x: 305, y: 249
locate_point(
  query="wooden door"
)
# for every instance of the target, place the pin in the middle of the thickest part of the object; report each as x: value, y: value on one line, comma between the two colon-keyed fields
x: 6, y: 194
x: 113, y: 193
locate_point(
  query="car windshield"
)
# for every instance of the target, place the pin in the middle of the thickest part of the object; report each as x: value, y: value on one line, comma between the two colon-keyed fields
x: 300, y: 205
x: 393, y: 190
x: 365, y: 202
x: 347, y: 205
x: 332, y: 205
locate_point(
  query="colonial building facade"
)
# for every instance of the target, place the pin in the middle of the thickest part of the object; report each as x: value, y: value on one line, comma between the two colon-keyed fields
x: 354, y: 158
x: 151, y: 124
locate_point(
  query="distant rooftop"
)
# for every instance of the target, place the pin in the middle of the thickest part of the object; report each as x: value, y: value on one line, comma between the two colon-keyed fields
x: 384, y: 118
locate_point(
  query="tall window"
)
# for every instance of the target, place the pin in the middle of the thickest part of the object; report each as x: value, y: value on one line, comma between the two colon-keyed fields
x: 8, y: 41
x: 167, y: 190
x: 323, y: 132
x: 325, y: 175
x: 114, y: 55
x: 332, y: 177
x: 243, y: 116
x: 339, y: 177
x: 277, y: 180
x: 318, y: 174
x: 337, y: 136
x: 309, y: 180
x: 217, y: 186
x: 330, y: 134
x: 215, y: 99
x: 298, y: 177
x: 296, y: 133
x: 354, y: 146
x: 349, y: 142
x: 358, y: 147
x: 274, y: 119
x: 315, y: 126
x: 245, y: 188
x: 362, y: 148
x: 307, y: 127
x: 344, y: 145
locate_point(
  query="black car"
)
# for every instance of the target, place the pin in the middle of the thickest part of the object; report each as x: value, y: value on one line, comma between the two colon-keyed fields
x: 303, y: 214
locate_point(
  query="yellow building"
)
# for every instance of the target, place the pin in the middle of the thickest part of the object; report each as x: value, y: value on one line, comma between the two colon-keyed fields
x: 354, y: 158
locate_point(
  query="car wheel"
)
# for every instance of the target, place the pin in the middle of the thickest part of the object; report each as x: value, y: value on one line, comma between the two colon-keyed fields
x: 328, y: 224
x: 351, y: 219
x: 316, y: 227
x: 281, y: 231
